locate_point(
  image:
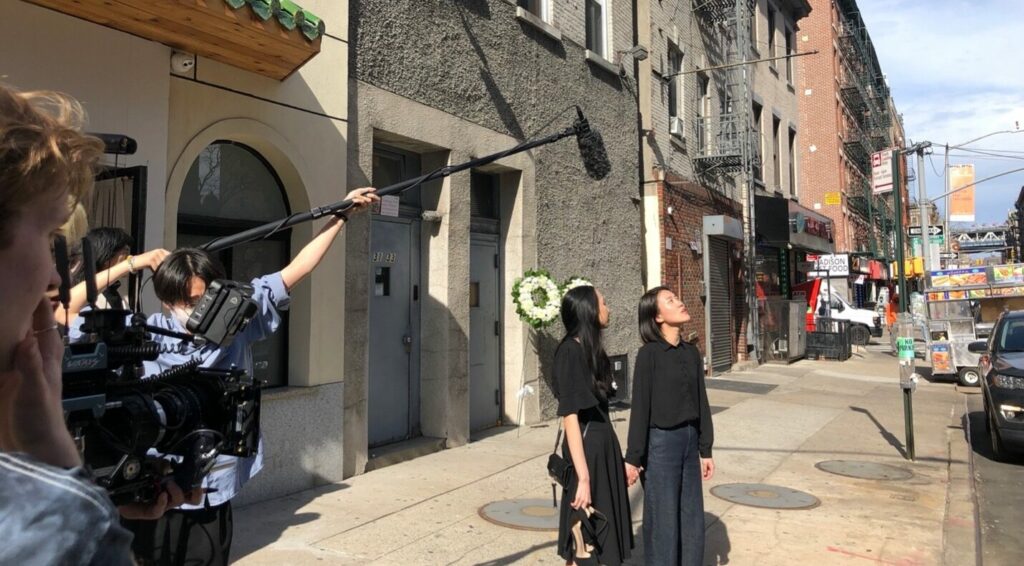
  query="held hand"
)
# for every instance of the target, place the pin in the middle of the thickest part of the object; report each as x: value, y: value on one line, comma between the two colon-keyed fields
x: 707, y: 468
x: 151, y: 259
x: 170, y: 498
x: 632, y: 474
x: 582, y: 499
x: 362, y: 198
x: 31, y: 414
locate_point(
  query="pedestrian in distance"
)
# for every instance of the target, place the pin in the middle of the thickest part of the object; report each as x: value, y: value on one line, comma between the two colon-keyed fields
x: 582, y: 383
x: 670, y: 433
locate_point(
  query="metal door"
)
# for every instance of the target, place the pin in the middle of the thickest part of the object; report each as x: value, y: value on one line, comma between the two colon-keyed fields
x: 720, y: 304
x: 484, y: 330
x: 393, y: 400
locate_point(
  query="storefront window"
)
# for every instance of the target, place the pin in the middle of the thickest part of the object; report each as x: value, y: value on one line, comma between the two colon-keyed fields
x: 231, y: 188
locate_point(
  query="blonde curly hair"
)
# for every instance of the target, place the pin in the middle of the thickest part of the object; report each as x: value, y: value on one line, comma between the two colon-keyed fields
x: 43, y: 152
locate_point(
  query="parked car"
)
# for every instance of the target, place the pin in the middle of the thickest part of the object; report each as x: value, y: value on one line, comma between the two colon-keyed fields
x: 1002, y: 383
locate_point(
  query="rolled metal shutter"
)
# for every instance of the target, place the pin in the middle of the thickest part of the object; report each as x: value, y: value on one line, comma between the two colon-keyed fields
x: 720, y: 305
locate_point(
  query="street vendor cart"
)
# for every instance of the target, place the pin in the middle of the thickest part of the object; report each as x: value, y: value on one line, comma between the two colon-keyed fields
x: 962, y: 306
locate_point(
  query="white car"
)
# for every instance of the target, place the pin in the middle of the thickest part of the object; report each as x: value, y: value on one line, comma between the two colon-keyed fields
x: 864, y: 323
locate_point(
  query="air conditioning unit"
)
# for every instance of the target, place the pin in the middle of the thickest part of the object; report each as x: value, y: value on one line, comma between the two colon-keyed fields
x: 675, y: 127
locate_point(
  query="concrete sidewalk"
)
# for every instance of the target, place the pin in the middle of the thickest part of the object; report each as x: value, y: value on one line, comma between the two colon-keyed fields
x: 772, y: 425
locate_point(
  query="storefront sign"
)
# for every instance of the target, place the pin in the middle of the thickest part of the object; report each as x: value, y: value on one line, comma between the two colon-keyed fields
x: 837, y: 265
x: 1012, y: 273
x: 958, y: 277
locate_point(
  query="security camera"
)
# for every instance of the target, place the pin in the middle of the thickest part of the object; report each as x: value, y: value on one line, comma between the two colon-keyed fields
x: 182, y: 62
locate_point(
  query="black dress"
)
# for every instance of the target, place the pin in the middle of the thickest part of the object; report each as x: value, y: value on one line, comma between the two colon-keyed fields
x: 575, y: 392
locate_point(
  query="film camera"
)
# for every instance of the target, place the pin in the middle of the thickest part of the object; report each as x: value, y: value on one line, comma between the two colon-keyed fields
x: 136, y: 432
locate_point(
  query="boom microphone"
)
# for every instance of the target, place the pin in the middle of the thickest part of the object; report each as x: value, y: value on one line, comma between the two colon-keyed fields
x: 592, y: 150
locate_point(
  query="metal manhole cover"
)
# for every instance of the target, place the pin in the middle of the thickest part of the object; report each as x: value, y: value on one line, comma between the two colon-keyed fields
x: 864, y: 470
x: 765, y: 496
x: 522, y: 514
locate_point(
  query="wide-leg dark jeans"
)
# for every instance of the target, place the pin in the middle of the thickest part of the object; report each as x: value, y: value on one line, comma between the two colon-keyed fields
x: 673, y: 499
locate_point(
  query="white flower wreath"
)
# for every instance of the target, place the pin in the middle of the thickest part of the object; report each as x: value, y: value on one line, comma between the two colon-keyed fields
x: 575, y: 282
x: 537, y: 298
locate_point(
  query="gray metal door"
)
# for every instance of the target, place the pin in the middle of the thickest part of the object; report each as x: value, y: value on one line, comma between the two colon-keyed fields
x: 393, y: 400
x: 720, y: 304
x: 484, y: 340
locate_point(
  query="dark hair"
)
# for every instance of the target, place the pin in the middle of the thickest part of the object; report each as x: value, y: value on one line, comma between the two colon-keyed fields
x: 580, y: 317
x: 173, y: 279
x: 107, y: 243
x: 647, y: 312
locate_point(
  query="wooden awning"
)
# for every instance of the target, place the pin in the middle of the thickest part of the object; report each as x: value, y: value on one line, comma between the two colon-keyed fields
x: 270, y: 37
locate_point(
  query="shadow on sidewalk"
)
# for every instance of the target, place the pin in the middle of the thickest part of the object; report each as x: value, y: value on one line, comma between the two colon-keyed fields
x: 716, y: 542
x: 516, y: 557
x: 260, y: 532
x: 888, y: 436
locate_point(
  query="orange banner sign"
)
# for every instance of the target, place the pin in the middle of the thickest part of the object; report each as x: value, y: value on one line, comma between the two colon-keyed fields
x: 961, y: 203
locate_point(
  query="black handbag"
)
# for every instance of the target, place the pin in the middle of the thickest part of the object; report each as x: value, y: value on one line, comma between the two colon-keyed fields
x: 560, y: 469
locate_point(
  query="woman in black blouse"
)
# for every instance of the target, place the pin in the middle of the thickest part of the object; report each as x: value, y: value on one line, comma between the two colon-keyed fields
x: 670, y: 433
x: 583, y: 383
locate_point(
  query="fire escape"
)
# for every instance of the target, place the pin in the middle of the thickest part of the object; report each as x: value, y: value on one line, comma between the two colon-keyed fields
x: 726, y: 141
x: 868, y: 130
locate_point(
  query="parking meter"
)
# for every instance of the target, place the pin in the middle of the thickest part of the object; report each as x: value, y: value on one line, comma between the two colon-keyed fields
x: 904, y: 329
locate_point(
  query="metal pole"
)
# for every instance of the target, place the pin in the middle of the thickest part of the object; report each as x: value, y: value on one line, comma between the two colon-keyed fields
x: 922, y: 199
x: 945, y: 176
x: 897, y: 198
x: 908, y: 421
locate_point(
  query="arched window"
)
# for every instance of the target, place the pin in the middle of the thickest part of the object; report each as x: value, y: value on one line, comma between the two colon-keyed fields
x: 231, y: 188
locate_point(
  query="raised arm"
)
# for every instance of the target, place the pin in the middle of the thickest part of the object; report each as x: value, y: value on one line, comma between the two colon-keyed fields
x: 132, y: 264
x: 311, y: 255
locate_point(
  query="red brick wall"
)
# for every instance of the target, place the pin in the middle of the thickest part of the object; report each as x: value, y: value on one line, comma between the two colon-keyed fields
x: 682, y: 267
x: 822, y: 170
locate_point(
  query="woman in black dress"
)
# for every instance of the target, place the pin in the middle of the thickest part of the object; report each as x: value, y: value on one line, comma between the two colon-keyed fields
x: 583, y: 383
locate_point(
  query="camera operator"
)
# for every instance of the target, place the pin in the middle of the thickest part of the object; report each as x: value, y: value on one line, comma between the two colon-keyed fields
x: 50, y: 511
x: 202, y: 533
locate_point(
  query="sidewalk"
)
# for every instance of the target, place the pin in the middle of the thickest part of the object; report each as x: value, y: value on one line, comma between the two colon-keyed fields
x: 772, y: 425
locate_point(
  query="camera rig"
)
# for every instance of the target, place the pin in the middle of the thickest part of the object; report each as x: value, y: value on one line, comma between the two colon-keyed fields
x: 136, y: 431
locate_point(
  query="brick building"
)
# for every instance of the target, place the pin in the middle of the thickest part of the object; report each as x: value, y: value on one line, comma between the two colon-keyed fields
x: 847, y: 114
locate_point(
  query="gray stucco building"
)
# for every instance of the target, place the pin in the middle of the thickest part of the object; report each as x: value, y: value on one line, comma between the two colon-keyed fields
x: 433, y: 346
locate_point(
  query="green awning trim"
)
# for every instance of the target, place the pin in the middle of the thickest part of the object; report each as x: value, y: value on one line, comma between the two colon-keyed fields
x: 287, y: 13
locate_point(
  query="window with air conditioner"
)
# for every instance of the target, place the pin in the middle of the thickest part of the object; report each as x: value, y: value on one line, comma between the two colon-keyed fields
x: 675, y: 90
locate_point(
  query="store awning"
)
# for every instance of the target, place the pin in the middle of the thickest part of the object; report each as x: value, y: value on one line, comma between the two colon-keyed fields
x: 273, y: 38
x: 782, y: 221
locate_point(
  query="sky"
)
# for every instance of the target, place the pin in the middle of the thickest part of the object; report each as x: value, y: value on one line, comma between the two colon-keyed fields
x: 956, y: 72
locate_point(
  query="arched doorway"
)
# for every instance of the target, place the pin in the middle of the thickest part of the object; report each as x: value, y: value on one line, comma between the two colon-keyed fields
x: 230, y: 188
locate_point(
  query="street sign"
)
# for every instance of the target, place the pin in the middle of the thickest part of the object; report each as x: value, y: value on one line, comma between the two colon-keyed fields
x: 933, y: 230
x: 881, y: 172
x: 833, y: 199
x: 948, y: 255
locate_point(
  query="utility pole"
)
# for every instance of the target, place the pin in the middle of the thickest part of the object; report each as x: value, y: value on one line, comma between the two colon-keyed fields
x: 922, y: 200
x: 945, y: 181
